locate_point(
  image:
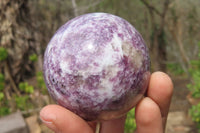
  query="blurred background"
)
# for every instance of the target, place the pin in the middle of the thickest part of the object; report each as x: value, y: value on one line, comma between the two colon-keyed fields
x: 171, y: 29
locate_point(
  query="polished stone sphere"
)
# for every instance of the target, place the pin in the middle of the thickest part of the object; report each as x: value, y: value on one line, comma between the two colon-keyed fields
x: 97, y: 66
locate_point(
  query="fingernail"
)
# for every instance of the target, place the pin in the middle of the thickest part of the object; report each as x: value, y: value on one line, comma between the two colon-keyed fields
x: 45, y: 121
x: 48, y: 119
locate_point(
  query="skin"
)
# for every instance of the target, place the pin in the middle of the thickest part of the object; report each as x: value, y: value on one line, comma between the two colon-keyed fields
x: 151, y: 112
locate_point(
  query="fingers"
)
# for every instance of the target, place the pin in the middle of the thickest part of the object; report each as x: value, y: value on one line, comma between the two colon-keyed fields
x: 151, y: 112
x: 113, y: 126
x: 148, y: 117
x: 62, y: 120
x: 160, y: 91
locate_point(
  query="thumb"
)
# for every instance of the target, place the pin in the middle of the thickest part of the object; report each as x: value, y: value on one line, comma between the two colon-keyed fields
x: 61, y: 120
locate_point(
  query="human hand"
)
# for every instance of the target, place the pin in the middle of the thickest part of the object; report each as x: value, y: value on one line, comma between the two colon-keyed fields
x: 150, y: 113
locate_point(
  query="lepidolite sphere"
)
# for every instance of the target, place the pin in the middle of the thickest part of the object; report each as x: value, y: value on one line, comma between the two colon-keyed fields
x: 97, y: 66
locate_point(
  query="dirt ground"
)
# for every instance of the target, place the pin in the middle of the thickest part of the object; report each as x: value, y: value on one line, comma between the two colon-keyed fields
x: 178, y: 119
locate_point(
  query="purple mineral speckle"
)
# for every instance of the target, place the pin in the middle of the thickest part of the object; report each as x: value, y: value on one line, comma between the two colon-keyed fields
x: 97, y: 66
